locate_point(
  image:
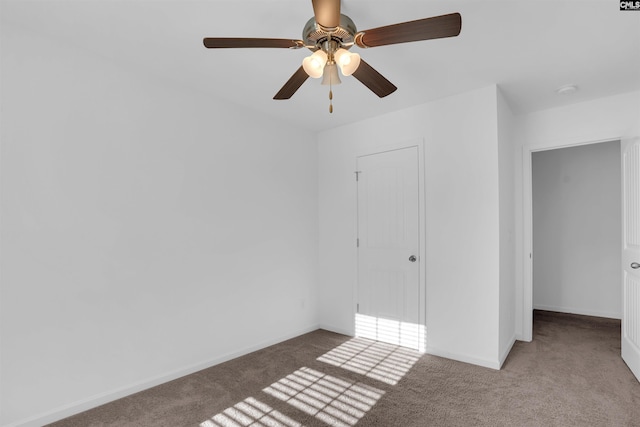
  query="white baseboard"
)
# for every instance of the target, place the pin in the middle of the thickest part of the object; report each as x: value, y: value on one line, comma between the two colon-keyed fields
x: 581, y: 311
x: 486, y: 363
x: 109, y: 396
x: 337, y: 330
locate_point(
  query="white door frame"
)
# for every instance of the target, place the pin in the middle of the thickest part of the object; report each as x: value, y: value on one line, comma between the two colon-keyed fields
x: 381, y: 148
x: 527, y: 210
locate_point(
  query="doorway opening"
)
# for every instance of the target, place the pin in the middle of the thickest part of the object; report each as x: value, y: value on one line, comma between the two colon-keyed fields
x: 576, y: 222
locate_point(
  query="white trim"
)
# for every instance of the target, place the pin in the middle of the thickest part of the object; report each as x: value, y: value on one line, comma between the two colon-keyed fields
x: 492, y: 364
x: 581, y: 311
x: 527, y: 250
x: 527, y: 223
x: 102, y: 398
x: 381, y: 148
x: 336, y: 330
x: 391, y: 146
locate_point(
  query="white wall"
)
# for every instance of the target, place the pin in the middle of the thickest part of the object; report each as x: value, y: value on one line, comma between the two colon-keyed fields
x: 146, y: 231
x: 462, y: 215
x: 576, y: 230
x: 506, y: 156
x: 599, y: 120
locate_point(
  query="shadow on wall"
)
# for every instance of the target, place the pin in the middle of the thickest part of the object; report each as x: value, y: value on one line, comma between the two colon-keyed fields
x: 336, y: 401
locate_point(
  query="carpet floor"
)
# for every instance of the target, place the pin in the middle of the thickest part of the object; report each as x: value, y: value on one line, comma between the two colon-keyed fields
x: 571, y: 374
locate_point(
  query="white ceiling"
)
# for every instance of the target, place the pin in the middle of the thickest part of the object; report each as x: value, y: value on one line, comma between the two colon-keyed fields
x: 529, y: 48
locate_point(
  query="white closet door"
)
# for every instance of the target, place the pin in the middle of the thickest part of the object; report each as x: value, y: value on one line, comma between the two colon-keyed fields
x: 388, y: 258
x: 631, y: 254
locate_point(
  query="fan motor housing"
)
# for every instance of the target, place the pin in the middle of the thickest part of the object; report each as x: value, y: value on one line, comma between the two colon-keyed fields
x: 314, y: 35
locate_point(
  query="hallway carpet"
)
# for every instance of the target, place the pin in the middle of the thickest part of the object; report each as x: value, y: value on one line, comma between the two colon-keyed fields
x: 571, y: 374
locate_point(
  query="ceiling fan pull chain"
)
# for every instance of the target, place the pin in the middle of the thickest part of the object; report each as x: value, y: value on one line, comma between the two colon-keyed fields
x: 330, y: 100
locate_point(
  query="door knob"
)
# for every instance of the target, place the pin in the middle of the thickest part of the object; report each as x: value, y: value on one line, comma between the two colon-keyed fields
x: 413, y: 258
x: 635, y: 265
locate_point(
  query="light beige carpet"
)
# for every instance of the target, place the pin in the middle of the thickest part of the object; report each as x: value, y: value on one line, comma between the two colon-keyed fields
x: 570, y: 375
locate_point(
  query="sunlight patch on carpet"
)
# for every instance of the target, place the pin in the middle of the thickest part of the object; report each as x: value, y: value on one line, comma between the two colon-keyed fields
x: 250, y: 412
x: 381, y: 361
x: 404, y: 334
x: 335, y: 401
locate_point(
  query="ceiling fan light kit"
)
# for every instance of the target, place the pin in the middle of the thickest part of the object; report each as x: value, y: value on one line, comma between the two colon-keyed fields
x: 314, y: 65
x: 347, y: 61
x: 330, y: 35
x: 330, y: 75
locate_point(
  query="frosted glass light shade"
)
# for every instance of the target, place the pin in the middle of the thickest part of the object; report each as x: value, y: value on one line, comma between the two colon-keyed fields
x: 314, y: 64
x: 330, y: 75
x: 347, y: 61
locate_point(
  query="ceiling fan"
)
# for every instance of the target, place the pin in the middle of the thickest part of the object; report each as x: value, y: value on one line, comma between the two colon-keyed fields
x: 329, y: 35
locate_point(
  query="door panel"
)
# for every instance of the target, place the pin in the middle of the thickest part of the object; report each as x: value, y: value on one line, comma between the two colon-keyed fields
x: 631, y: 254
x: 632, y: 301
x: 388, y: 233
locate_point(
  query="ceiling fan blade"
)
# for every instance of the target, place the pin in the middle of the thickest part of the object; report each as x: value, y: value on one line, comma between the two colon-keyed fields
x: 292, y: 85
x: 234, y: 42
x: 423, y: 29
x: 327, y: 12
x: 372, y: 79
